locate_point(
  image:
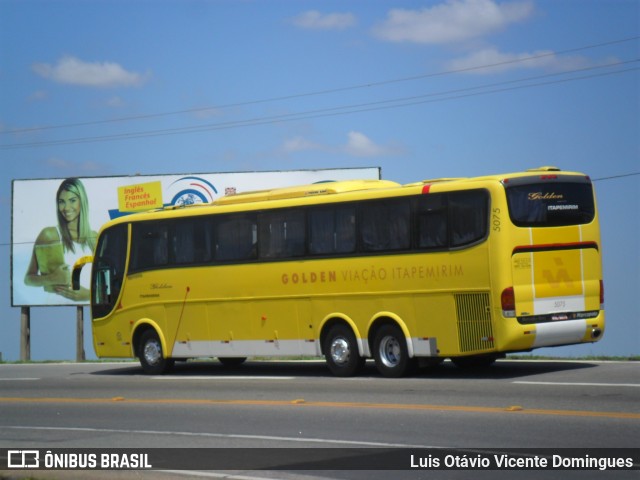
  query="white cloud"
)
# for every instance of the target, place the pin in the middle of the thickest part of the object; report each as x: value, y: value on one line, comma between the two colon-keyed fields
x: 70, y: 70
x: 498, y: 62
x: 452, y: 21
x: 59, y: 163
x: 314, y: 20
x: 359, y: 145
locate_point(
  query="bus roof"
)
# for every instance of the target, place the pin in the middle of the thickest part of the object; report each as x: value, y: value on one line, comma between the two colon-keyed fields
x: 326, y: 188
x: 241, y: 200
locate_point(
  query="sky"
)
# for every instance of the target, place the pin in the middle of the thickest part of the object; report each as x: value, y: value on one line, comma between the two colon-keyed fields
x: 422, y: 89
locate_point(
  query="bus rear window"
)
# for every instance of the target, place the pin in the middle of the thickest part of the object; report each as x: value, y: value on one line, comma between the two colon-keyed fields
x: 550, y: 204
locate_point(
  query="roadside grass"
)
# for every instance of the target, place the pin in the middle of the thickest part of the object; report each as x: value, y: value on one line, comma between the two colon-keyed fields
x: 592, y: 358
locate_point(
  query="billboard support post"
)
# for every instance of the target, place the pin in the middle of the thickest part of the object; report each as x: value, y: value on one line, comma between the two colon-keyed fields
x: 80, y: 357
x: 25, y: 334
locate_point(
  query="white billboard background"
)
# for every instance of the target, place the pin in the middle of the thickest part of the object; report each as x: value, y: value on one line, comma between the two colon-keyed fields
x: 34, y: 207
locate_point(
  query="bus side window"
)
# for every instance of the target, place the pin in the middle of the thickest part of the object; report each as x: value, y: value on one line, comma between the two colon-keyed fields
x: 468, y: 213
x: 385, y: 226
x: 202, y: 241
x: 183, y: 242
x: 332, y: 230
x: 346, y: 230
x: 281, y: 234
x: 191, y: 241
x: 150, y: 245
x: 432, y: 221
x: 236, y: 238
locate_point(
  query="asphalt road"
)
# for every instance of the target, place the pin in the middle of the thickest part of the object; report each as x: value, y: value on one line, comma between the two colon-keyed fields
x: 514, y: 404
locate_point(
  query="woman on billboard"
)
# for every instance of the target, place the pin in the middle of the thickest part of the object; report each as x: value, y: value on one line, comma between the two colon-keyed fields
x: 58, y: 247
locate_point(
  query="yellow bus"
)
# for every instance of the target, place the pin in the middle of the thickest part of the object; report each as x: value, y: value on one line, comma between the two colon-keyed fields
x: 467, y: 269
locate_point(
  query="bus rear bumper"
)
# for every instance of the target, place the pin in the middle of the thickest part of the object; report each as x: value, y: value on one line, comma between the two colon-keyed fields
x: 569, y: 332
x: 526, y: 337
x: 559, y: 333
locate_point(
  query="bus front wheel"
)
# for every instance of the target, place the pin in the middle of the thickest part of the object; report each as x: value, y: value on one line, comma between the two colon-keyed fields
x: 391, y: 353
x: 341, y: 352
x: 151, y: 356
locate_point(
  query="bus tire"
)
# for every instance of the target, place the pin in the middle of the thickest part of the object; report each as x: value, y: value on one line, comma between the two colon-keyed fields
x: 151, y: 355
x: 391, y: 353
x: 341, y: 352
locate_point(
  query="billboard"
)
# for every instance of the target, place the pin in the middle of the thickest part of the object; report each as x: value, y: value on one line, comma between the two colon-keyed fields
x: 55, y: 221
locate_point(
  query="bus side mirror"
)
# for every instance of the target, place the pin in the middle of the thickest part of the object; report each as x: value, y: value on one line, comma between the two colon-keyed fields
x: 77, y: 268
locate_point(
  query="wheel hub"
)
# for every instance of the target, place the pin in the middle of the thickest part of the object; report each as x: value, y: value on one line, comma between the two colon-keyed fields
x: 152, y: 353
x: 340, y: 351
x: 390, y: 351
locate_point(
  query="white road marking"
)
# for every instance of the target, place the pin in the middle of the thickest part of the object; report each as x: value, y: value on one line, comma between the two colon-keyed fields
x: 23, y: 379
x: 229, y: 476
x: 580, y: 384
x: 325, y: 441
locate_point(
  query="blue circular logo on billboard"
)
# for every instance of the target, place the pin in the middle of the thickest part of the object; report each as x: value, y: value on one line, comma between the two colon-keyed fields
x: 192, y: 190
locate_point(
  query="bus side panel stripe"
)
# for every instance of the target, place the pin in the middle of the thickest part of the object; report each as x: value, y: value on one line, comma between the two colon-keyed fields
x: 245, y: 348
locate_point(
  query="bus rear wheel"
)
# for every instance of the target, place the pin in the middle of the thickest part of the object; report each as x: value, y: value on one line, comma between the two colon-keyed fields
x: 151, y: 356
x: 391, y: 353
x: 341, y: 352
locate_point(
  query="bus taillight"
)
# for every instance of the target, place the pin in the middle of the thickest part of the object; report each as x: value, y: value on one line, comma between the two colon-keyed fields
x: 601, y: 295
x: 508, y: 301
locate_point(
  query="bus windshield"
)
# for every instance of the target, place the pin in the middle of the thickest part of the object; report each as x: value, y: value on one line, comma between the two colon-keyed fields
x: 550, y: 204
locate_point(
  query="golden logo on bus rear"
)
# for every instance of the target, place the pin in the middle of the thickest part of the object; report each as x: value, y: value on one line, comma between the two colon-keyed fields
x: 545, y: 196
